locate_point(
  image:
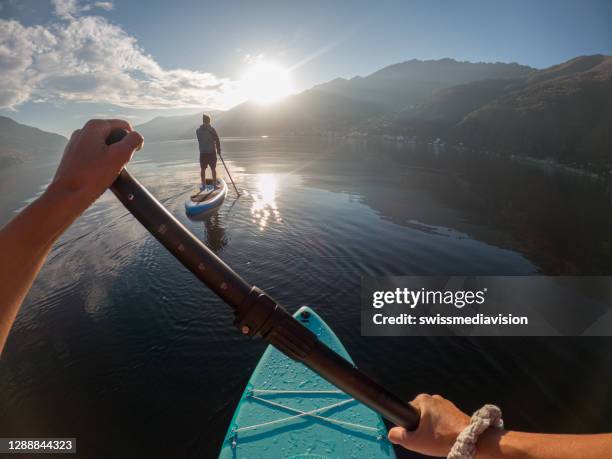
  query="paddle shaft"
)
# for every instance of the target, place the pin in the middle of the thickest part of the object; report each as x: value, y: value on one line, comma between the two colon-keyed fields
x: 228, y: 174
x: 256, y: 313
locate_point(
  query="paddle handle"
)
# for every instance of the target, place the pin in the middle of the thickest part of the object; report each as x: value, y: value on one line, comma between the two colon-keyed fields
x: 257, y: 314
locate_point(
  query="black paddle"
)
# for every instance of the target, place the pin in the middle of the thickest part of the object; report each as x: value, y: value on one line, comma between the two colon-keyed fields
x: 256, y: 314
x: 228, y: 174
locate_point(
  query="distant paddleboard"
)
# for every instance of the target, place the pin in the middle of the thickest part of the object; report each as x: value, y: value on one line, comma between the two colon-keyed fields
x: 288, y: 411
x: 207, y: 199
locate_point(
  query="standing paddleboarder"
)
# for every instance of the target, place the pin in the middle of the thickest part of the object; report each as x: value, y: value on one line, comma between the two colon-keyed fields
x: 210, y: 145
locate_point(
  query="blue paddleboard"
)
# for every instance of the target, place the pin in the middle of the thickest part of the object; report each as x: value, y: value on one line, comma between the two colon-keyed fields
x: 288, y: 411
x: 207, y: 200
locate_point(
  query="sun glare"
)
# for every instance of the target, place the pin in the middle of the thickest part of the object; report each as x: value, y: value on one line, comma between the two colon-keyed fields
x: 264, y: 208
x: 265, y: 83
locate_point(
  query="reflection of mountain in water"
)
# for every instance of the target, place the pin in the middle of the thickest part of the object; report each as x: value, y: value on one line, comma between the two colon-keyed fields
x: 551, y: 215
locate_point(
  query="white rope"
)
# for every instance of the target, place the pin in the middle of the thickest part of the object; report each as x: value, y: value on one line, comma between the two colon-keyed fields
x: 323, y: 418
x: 302, y: 413
x: 465, y: 444
x: 311, y: 413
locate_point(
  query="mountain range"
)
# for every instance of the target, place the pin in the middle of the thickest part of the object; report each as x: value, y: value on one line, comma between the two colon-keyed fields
x: 343, y: 105
x: 563, y: 112
x: 19, y: 143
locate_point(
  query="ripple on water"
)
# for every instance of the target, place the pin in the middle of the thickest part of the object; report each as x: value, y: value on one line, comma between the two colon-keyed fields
x: 116, y: 325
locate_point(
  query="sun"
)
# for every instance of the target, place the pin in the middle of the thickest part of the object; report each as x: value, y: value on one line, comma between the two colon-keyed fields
x: 266, y: 82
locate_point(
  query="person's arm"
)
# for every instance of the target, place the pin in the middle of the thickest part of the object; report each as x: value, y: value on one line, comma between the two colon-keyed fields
x: 497, y: 443
x: 88, y: 167
x: 441, y: 422
x: 216, y: 139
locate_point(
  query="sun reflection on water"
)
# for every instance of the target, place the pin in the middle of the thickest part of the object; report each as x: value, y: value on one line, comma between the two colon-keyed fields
x: 264, y: 208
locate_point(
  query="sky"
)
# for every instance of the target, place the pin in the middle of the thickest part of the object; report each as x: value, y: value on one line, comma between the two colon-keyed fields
x: 64, y: 61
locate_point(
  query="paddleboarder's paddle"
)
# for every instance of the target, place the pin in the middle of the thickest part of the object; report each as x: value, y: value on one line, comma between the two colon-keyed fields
x: 229, y: 175
x: 256, y: 313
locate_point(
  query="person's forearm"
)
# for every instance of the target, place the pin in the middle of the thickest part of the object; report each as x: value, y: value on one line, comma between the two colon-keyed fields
x: 24, y: 244
x: 496, y: 443
x: 442, y: 422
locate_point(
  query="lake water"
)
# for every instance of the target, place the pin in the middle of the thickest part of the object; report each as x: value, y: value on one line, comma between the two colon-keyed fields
x: 119, y: 346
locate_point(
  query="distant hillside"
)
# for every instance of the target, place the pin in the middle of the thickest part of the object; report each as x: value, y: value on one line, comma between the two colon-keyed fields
x: 19, y: 143
x: 174, y: 127
x: 341, y: 104
x: 443, y: 110
x: 563, y: 112
x: 400, y: 86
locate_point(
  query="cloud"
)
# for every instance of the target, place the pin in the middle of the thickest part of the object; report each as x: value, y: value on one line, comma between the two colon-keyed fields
x: 67, y: 9
x: 254, y: 59
x: 104, y: 5
x: 88, y: 59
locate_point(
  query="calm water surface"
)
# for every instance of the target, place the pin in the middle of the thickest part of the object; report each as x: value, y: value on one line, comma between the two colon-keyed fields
x: 119, y: 346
